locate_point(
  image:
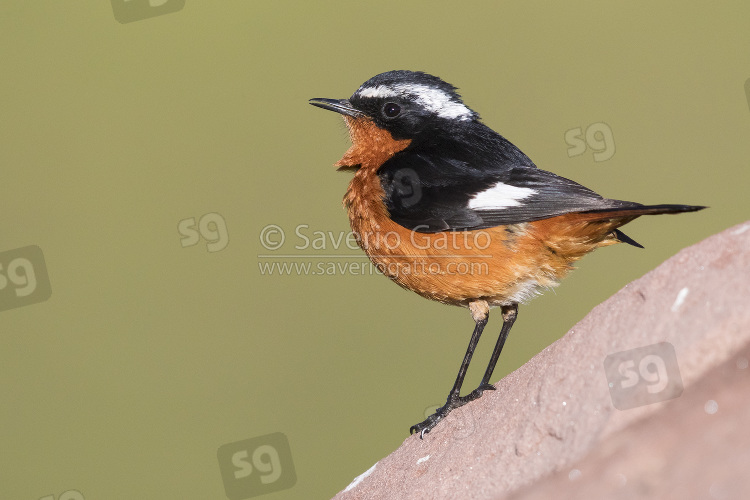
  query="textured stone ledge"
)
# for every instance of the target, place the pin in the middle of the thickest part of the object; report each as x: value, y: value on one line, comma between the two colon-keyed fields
x: 551, y: 428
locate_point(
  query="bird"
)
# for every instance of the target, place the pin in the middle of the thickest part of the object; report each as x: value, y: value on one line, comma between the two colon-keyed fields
x: 448, y: 208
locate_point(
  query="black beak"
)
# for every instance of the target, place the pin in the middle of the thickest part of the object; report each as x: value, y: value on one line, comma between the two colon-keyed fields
x: 342, y: 106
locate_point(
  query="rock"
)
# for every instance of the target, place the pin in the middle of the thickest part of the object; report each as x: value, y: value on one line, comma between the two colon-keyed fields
x: 661, y: 338
x: 697, y: 446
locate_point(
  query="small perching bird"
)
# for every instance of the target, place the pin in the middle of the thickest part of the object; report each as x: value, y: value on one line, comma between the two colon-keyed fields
x: 448, y: 208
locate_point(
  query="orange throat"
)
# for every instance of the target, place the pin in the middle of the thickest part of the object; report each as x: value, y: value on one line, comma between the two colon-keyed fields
x: 371, y: 145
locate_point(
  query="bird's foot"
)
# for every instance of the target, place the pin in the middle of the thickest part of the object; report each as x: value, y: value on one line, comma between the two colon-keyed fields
x: 453, y: 402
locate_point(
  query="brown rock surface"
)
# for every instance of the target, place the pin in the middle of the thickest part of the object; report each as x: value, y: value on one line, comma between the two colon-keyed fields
x: 556, y: 413
x: 698, y: 446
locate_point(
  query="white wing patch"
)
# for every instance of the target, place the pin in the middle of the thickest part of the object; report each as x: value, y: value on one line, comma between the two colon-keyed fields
x: 432, y: 99
x: 500, y: 196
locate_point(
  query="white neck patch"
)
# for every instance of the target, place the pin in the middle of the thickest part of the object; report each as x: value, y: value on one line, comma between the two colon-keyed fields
x: 432, y: 99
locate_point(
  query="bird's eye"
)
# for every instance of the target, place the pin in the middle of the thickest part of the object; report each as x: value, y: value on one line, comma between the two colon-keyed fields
x: 391, y: 109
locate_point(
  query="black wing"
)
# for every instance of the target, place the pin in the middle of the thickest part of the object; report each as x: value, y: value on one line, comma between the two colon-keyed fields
x: 437, y: 192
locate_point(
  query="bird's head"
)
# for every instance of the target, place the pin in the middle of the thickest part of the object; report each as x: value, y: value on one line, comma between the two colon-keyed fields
x: 408, y: 105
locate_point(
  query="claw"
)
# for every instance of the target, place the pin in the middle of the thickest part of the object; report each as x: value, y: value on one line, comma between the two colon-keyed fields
x: 426, y: 426
x: 454, y: 401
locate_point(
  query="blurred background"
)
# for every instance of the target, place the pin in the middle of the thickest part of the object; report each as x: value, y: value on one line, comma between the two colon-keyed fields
x: 161, y: 166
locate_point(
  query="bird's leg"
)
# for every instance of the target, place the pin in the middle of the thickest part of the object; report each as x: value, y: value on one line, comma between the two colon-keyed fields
x: 480, y: 313
x: 510, y: 313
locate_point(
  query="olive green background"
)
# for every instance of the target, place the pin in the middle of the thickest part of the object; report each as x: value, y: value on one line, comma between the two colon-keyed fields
x: 149, y: 356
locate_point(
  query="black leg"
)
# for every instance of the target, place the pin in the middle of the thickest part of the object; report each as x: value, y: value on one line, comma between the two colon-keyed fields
x: 510, y: 313
x: 454, y: 400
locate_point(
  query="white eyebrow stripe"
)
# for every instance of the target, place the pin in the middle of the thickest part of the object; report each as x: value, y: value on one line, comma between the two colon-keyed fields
x: 379, y: 91
x: 500, y: 195
x: 433, y: 99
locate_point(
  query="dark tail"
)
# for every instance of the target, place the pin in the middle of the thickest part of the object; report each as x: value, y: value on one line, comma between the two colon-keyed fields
x: 627, y: 214
x: 624, y: 238
x: 637, y: 210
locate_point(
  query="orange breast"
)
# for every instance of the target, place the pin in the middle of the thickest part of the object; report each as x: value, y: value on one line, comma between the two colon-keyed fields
x: 502, y: 265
